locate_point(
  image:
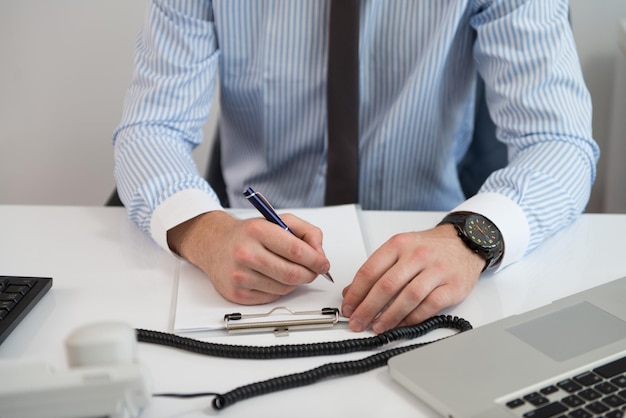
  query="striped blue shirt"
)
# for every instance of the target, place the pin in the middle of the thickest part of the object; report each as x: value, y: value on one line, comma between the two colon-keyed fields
x: 418, y: 64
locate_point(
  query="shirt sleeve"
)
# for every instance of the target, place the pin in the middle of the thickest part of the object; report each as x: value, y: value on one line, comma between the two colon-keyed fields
x: 166, y: 106
x: 538, y: 100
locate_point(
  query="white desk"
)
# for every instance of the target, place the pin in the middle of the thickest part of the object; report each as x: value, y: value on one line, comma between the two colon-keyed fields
x: 104, y: 268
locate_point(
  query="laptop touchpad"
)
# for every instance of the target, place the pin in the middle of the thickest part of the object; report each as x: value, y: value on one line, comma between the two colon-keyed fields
x: 571, y: 331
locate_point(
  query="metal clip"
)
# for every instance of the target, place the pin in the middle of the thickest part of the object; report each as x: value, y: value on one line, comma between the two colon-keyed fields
x: 324, y: 318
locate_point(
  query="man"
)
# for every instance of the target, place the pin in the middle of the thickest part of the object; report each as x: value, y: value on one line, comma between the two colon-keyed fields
x: 417, y: 71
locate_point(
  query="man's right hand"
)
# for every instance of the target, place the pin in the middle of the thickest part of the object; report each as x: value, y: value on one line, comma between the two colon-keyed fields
x: 251, y: 261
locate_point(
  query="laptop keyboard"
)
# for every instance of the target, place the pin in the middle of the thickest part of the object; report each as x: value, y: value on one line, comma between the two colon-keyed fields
x: 600, y: 392
x: 18, y: 296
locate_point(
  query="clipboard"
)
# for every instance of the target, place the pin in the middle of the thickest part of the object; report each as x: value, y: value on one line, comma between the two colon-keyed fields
x: 199, y: 308
x: 262, y: 322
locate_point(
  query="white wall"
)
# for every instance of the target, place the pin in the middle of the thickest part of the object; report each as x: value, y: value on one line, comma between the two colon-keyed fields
x: 596, y: 30
x: 64, y: 68
x: 65, y: 65
x: 614, y: 196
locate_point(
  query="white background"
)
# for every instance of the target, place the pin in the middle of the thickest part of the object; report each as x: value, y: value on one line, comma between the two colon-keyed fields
x: 65, y: 66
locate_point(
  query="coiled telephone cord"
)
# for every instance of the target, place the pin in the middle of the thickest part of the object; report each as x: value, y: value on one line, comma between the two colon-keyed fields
x: 345, y: 368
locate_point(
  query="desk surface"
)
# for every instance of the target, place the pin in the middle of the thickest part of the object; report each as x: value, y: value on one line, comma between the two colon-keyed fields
x: 104, y: 268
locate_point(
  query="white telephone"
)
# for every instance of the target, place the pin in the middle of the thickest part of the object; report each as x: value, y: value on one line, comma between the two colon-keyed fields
x: 104, y: 379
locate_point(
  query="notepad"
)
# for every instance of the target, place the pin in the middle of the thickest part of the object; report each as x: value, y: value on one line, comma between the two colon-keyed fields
x: 200, y: 308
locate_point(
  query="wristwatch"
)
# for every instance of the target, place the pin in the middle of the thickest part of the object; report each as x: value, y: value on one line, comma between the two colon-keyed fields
x: 479, y: 234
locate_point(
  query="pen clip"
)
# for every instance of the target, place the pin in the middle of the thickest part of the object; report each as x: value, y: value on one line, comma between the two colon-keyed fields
x: 264, y: 201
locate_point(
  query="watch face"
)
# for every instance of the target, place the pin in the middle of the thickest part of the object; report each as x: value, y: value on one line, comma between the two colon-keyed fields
x: 481, y: 231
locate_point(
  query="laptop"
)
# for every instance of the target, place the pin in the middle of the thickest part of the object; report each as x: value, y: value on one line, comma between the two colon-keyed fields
x: 568, y: 357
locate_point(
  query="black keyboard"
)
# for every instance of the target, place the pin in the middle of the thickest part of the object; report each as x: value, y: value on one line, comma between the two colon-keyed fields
x: 600, y: 392
x: 18, y: 296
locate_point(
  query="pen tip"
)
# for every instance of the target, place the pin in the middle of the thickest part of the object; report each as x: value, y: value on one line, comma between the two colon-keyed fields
x: 329, y: 277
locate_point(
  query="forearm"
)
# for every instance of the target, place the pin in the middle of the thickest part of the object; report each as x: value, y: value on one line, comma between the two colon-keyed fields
x: 542, y: 109
x: 165, y: 108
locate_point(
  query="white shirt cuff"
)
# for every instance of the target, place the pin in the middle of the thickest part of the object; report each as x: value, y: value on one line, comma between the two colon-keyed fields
x: 508, y: 217
x: 178, y: 208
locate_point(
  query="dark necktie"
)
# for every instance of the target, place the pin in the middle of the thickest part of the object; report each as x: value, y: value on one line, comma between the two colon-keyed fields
x: 343, y: 103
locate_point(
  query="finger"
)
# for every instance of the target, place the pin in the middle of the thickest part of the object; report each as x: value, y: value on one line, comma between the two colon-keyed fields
x: 249, y: 287
x: 345, y: 290
x: 416, y: 293
x: 289, y: 259
x: 439, y: 299
x: 266, y: 271
x: 250, y: 297
x: 264, y: 291
x: 366, y: 277
x: 442, y: 297
x: 307, y: 232
x: 381, y: 295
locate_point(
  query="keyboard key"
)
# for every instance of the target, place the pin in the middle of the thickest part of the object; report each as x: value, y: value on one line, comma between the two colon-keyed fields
x: 515, y: 403
x: 605, y: 387
x: 569, y: 385
x: 12, y: 288
x: 6, y: 305
x: 588, y: 379
x: 580, y: 413
x: 589, y: 394
x: 614, y: 401
x: 613, y: 368
x: 572, y: 401
x: 546, y: 411
x: 596, y: 407
x: 23, y: 281
x: 549, y: 390
x: 535, y: 399
x: 614, y: 414
x: 10, y: 297
x: 619, y: 381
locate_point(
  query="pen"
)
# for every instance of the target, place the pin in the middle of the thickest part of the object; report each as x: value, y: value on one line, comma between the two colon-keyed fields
x: 266, y: 209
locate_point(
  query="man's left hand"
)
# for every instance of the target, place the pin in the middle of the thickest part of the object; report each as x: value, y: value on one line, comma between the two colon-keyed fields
x: 410, y: 278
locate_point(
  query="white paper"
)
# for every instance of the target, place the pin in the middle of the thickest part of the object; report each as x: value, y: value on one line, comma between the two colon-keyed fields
x: 200, y: 308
